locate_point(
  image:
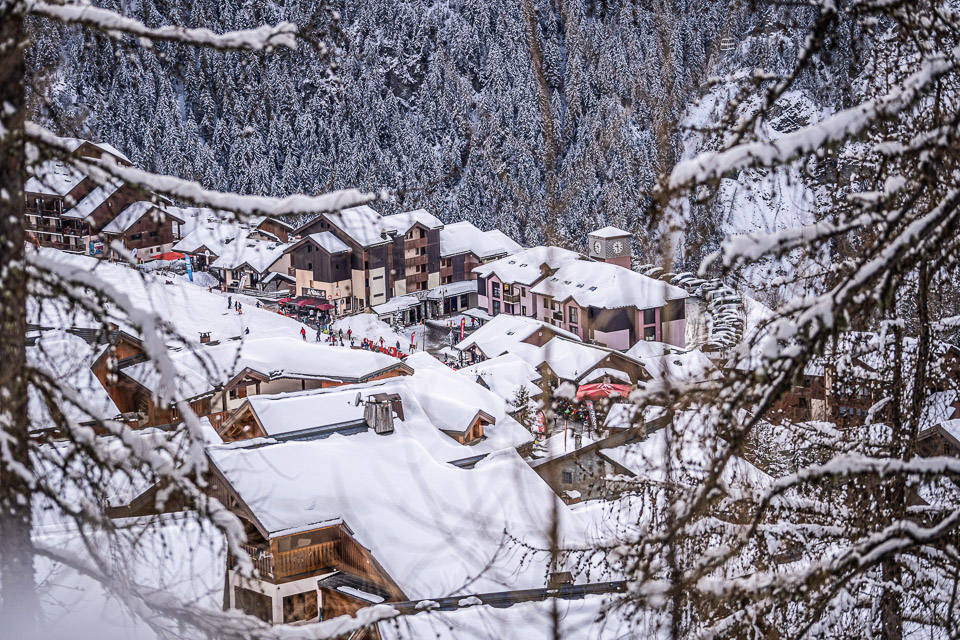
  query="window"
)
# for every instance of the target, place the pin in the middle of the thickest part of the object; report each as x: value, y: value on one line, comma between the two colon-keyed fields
x: 309, y: 248
x: 496, y: 307
x: 650, y: 333
x: 574, y: 328
x: 523, y: 310
x: 523, y: 291
x: 649, y: 316
x: 496, y: 289
x: 568, y: 477
x: 300, y: 606
x: 309, y: 266
x: 136, y: 236
x: 574, y: 315
x: 465, y: 300
x: 154, y: 234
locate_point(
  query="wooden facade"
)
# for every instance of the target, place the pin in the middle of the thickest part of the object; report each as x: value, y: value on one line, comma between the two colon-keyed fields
x: 474, y: 432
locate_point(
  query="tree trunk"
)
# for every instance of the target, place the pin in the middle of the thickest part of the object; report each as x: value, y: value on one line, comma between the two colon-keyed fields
x: 18, y: 597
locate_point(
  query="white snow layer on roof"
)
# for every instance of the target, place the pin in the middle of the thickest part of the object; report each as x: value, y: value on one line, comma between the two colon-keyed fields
x: 588, y: 618
x: 213, y: 235
x: 397, y: 303
x: 129, y: 216
x: 692, y: 451
x: 92, y: 200
x: 330, y: 243
x: 402, y: 222
x: 523, y: 267
x: 206, y: 367
x: 452, y: 289
x: 609, y: 232
x: 363, y: 224
x: 939, y: 407
x: 504, y: 332
x: 504, y: 375
x: 75, y: 143
x: 190, y: 309
x: 66, y: 359
x: 434, y: 398
x: 53, y: 178
x: 461, y: 237
x: 256, y: 254
x: 683, y: 366
x: 435, y: 528
x: 607, y: 286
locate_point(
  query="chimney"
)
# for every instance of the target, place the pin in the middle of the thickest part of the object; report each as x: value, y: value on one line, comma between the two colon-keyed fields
x: 204, y: 337
x: 378, y: 411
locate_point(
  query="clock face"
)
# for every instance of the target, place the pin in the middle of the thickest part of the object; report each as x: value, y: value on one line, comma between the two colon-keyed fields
x: 597, y: 246
x: 618, y: 247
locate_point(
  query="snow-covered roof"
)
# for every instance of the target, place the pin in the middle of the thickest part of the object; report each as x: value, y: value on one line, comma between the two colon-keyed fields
x: 257, y: 221
x: 463, y: 237
x: 397, y: 303
x: 594, y: 617
x: 67, y: 358
x: 205, y: 368
x: 435, y: 399
x: 256, y: 254
x: 329, y: 242
x: 607, y: 286
x: 568, y: 359
x: 188, y: 308
x: 598, y: 375
x: 523, y: 267
x: 609, y: 232
x: 402, y: 222
x: 53, y: 178
x: 504, y: 375
x: 75, y: 143
x: 92, y: 200
x: 938, y: 407
x: 433, y: 527
x: 129, y: 216
x: 362, y: 224
x: 452, y: 289
x: 691, y: 452
x: 504, y: 332
x: 211, y: 234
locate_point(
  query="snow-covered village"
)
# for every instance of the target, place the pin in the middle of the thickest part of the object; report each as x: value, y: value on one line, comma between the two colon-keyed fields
x: 500, y: 321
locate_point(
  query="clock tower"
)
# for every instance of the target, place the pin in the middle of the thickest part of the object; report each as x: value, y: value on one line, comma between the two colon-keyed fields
x: 610, y: 245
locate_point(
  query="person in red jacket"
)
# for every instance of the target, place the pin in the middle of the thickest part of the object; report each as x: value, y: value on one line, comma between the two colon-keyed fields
x: 303, y: 334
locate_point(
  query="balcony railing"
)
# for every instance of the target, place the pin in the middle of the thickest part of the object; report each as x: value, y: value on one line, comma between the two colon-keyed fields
x: 415, y: 262
x: 303, y: 561
x: 511, y: 297
x: 415, y: 244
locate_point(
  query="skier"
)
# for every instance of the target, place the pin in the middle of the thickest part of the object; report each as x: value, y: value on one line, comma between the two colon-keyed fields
x: 258, y: 304
x: 319, y: 333
x: 239, y: 308
x: 349, y: 334
x: 340, y: 334
x: 229, y: 302
x: 303, y: 334
x: 246, y: 331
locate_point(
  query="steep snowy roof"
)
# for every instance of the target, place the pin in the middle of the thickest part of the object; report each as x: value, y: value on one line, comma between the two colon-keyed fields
x: 452, y: 289
x: 205, y: 368
x: 129, y: 216
x: 504, y: 375
x: 434, y: 528
x: 363, y: 224
x: 504, y: 332
x: 256, y: 254
x: 53, y: 178
x: 402, y: 222
x: 568, y: 359
x: 463, y: 237
x: 329, y: 242
x: 523, y: 267
x: 92, y: 200
x: 212, y: 234
x: 75, y: 143
x: 607, y: 286
x: 609, y: 232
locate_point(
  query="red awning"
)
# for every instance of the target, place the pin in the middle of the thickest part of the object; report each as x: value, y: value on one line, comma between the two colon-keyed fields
x: 602, y: 390
x: 284, y: 300
x: 170, y: 255
x: 325, y: 307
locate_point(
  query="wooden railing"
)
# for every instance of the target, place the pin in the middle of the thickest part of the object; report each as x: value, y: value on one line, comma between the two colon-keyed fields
x: 307, y: 560
x: 217, y: 419
x: 262, y: 560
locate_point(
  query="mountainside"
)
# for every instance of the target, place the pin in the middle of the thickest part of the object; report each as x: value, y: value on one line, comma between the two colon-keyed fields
x: 438, y: 101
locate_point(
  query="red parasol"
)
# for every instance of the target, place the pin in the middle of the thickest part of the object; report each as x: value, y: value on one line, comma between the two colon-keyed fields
x: 602, y: 390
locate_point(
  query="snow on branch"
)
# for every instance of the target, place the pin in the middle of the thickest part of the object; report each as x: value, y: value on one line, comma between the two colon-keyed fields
x: 186, y: 190
x: 116, y: 26
x: 842, y: 126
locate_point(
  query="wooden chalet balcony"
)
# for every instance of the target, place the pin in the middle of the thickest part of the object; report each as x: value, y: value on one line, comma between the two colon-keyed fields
x: 217, y: 419
x: 283, y: 566
x: 511, y: 297
x: 415, y: 262
x: 558, y: 315
x: 416, y: 278
x: 446, y: 272
x: 44, y: 227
